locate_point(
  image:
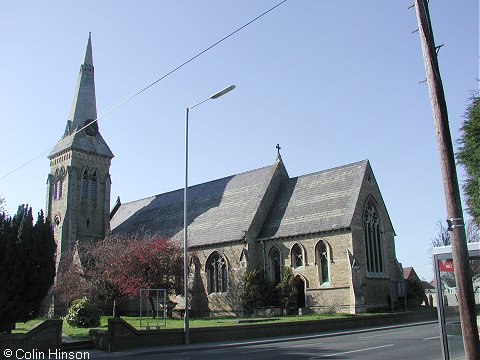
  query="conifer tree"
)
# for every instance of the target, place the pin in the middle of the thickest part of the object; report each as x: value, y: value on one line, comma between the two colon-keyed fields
x: 27, y: 266
x: 469, y: 156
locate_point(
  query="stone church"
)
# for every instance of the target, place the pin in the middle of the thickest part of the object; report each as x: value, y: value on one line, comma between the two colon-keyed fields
x: 330, y: 227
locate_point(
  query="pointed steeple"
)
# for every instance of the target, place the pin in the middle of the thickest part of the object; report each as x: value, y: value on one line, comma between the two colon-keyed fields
x: 83, y: 109
x: 84, y: 105
x: 88, y: 53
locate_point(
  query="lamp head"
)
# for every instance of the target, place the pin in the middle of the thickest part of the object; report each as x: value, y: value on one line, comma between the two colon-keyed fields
x: 222, y: 92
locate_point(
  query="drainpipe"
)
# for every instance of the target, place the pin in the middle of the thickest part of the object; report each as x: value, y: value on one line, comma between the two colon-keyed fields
x: 264, y: 258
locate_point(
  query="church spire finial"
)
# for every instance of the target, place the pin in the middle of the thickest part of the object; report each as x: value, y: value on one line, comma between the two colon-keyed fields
x: 279, y: 157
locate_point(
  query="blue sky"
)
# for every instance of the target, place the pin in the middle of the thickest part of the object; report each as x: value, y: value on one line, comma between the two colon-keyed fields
x: 332, y: 82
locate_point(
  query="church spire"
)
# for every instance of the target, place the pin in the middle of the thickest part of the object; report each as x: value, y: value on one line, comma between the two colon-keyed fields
x: 84, y: 105
x: 88, y: 53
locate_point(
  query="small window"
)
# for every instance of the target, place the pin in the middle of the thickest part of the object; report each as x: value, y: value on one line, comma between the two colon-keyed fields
x: 323, y: 263
x: 244, y: 258
x: 297, y: 256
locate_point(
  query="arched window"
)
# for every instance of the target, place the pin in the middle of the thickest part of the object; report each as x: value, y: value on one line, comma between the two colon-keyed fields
x: 275, y: 265
x: 244, y: 258
x: 85, y: 181
x: 60, y: 181
x: 373, y: 245
x: 217, y: 273
x: 323, y: 262
x: 297, y: 256
x: 55, y: 185
x: 92, y: 188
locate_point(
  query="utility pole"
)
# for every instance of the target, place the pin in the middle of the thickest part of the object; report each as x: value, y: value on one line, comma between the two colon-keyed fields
x: 466, y: 302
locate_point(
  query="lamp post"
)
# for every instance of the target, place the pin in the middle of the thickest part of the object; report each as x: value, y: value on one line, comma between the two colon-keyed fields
x: 185, y: 211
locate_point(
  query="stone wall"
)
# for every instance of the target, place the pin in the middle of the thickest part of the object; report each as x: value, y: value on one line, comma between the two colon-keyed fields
x: 47, y: 336
x: 217, y: 303
x: 121, y: 336
x: 73, y: 217
x: 332, y: 295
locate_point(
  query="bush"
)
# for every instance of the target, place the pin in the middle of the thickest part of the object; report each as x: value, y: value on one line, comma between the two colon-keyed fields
x: 285, y: 288
x: 415, y: 293
x: 257, y: 292
x: 83, y: 313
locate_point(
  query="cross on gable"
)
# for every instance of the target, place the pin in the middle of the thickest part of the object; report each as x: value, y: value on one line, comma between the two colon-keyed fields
x: 278, y: 150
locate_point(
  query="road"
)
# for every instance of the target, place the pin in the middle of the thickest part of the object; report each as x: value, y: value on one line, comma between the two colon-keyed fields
x: 408, y: 342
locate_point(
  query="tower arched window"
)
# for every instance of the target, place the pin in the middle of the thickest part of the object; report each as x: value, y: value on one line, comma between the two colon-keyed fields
x: 55, y: 185
x: 297, y: 256
x: 60, y: 182
x: 275, y: 265
x: 373, y: 243
x: 323, y: 262
x: 85, y: 181
x: 92, y: 188
x: 217, y: 273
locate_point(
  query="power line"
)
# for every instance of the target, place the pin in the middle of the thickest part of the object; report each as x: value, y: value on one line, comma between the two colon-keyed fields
x: 150, y: 85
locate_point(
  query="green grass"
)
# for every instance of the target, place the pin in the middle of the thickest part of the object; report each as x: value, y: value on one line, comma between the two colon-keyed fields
x: 80, y: 333
x: 26, y: 326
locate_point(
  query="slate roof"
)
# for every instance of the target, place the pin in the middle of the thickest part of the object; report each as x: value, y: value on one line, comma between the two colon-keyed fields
x: 316, y: 202
x: 220, y: 210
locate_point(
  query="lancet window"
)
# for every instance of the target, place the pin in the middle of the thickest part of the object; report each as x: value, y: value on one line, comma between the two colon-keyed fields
x: 217, y: 273
x: 90, y: 186
x: 85, y: 181
x: 297, y: 256
x: 58, y: 183
x: 323, y: 262
x: 275, y: 265
x: 373, y: 243
x: 93, y: 187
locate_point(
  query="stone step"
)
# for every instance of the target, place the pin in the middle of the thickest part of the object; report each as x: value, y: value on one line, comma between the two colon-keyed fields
x: 77, y: 345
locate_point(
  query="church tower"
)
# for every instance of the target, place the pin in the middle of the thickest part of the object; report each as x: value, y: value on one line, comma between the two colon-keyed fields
x: 78, y: 186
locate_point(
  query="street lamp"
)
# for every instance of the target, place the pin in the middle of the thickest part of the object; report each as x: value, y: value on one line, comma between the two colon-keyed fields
x: 185, y: 212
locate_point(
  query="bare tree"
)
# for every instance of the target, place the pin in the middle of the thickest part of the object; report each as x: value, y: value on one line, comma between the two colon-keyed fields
x: 443, y: 235
x: 2, y: 204
x: 443, y: 239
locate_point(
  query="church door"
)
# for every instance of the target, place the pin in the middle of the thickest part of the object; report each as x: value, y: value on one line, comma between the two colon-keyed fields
x: 300, y: 291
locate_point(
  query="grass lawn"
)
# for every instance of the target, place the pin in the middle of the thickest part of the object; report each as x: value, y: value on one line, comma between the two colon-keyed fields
x: 80, y: 333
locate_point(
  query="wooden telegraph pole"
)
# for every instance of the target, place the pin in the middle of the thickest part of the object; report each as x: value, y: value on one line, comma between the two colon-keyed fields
x: 466, y: 302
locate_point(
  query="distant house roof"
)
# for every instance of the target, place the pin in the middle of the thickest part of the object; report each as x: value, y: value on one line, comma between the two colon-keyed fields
x: 224, y: 210
x: 410, y: 274
x: 428, y: 285
x: 316, y: 202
